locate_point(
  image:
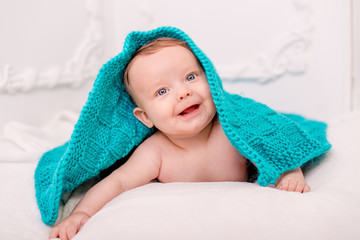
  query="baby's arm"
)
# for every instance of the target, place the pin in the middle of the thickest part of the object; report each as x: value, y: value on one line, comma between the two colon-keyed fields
x: 293, y: 181
x: 142, y: 167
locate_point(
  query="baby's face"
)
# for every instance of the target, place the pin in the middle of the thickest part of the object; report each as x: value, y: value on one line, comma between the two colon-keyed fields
x: 171, y: 91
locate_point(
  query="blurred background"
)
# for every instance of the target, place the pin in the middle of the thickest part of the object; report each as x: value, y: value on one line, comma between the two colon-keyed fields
x: 297, y: 56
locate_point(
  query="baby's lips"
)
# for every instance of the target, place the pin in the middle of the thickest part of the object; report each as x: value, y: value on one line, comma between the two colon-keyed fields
x: 189, y: 109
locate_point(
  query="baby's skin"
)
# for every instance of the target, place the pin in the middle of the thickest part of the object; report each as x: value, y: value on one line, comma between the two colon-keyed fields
x: 293, y: 181
x: 172, y: 93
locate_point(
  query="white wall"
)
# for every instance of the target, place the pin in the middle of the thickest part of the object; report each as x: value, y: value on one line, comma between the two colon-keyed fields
x: 356, y: 54
x: 294, y: 55
x: 49, y: 50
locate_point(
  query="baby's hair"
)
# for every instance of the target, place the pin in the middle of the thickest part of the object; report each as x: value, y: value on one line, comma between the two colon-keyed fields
x: 153, y: 47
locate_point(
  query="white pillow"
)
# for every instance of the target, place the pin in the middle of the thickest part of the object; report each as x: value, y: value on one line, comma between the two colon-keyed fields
x: 235, y: 210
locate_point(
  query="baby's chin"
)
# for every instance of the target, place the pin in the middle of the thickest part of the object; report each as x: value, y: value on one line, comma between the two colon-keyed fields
x: 189, y: 131
x: 197, y: 128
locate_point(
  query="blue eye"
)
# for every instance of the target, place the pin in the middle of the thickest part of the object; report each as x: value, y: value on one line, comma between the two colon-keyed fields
x: 161, y: 92
x: 191, y: 77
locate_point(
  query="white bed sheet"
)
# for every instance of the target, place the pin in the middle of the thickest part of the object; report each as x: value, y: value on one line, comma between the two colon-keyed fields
x: 207, y: 210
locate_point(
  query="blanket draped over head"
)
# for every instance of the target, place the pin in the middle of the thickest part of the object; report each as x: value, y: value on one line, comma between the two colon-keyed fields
x: 107, y: 130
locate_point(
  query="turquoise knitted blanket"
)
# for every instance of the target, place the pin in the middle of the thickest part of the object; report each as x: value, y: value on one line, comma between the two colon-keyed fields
x: 107, y: 130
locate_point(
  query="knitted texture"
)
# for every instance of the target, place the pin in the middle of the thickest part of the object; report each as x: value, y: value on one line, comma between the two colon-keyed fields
x: 107, y: 130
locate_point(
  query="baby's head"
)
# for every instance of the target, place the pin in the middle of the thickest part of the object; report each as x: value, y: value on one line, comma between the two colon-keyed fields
x: 169, y: 87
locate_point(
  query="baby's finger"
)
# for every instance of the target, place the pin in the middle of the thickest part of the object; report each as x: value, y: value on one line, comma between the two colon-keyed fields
x: 284, y: 185
x: 71, y: 231
x: 300, y: 187
x: 54, y: 233
x: 63, y: 233
x: 306, y: 188
x: 292, y: 185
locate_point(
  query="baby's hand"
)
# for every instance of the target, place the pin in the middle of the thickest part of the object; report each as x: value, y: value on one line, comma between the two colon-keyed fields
x: 293, y: 181
x: 69, y: 226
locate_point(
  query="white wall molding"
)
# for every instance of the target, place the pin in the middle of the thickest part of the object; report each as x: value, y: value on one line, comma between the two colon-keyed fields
x: 78, y: 69
x: 288, y: 54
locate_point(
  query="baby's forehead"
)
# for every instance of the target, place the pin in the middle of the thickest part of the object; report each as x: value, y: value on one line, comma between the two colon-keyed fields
x: 163, y: 58
x: 175, y: 50
x: 171, y: 53
x: 146, y: 56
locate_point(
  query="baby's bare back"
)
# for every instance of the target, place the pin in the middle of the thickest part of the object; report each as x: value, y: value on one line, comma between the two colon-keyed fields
x: 213, y: 161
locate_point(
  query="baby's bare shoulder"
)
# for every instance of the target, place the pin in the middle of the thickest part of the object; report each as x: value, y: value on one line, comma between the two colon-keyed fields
x: 155, y: 138
x: 147, y: 154
x: 154, y: 143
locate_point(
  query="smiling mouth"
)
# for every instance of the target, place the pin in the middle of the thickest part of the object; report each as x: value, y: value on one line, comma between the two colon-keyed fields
x: 189, y: 110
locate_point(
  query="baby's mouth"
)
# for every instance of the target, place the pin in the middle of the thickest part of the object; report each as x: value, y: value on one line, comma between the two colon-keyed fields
x: 189, y: 110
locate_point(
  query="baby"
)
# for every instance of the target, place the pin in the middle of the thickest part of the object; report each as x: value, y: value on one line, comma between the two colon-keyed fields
x: 172, y: 94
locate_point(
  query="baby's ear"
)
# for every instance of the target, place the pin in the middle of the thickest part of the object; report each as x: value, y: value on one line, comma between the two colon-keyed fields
x: 141, y: 115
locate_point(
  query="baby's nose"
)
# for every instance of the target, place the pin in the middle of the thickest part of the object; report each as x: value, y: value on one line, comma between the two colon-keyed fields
x: 183, y: 93
x: 182, y: 96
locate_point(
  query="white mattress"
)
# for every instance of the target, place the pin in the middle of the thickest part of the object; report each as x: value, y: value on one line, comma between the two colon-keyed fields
x: 229, y: 210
